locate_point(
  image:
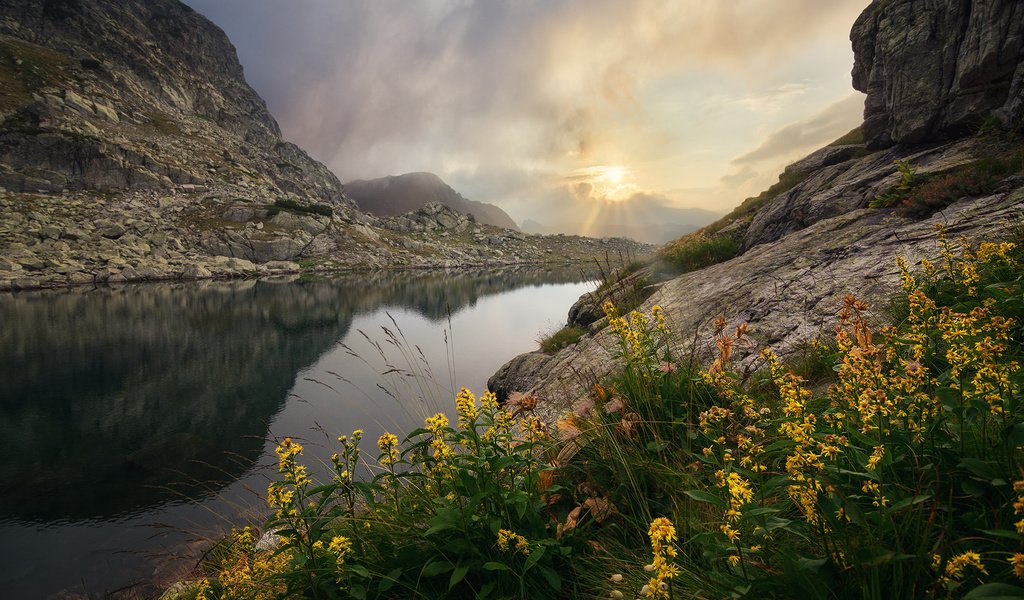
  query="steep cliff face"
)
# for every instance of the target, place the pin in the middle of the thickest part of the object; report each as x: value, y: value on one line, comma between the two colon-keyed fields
x: 933, y: 68
x: 136, y: 94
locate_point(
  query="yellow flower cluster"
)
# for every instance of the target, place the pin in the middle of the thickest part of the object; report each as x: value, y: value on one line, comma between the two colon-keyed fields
x: 635, y: 334
x: 281, y: 495
x: 739, y: 493
x: 977, y: 342
x: 804, y: 461
x: 465, y: 406
x: 340, y: 547
x: 956, y: 566
x: 510, y: 539
x: 444, y: 455
x: 246, y: 573
x: 388, y: 444
x: 663, y: 535
x: 1017, y: 562
x: 1018, y: 505
x: 659, y: 318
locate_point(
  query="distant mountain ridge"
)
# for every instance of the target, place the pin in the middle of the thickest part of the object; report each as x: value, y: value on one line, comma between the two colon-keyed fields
x: 398, y: 194
x: 643, y: 220
x: 649, y: 233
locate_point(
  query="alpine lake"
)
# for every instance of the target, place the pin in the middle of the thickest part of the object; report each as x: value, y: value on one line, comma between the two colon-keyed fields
x: 139, y: 422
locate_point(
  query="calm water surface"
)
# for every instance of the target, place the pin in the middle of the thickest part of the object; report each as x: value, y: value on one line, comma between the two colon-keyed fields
x: 138, y: 422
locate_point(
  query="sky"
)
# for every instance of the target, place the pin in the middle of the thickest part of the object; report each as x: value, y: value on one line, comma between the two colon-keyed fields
x: 549, y: 107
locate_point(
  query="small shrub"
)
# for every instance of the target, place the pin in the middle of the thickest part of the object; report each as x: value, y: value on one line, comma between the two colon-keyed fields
x: 316, y: 209
x: 565, y: 336
x: 919, y: 195
x: 91, y: 63
x: 697, y: 251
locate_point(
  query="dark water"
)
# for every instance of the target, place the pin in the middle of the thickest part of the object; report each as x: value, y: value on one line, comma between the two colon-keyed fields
x: 138, y: 422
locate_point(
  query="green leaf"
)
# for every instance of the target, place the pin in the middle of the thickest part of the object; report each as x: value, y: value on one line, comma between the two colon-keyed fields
x: 358, y: 570
x: 553, y: 578
x: 496, y: 566
x: 1004, y: 533
x: 457, y: 575
x: 704, y: 496
x: 995, y: 591
x: 909, y: 502
x: 535, y: 555
x: 389, y: 580
x: 981, y: 468
x: 436, y: 568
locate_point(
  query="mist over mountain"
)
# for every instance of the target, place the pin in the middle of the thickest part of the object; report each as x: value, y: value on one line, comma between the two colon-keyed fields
x: 397, y: 194
x: 643, y: 218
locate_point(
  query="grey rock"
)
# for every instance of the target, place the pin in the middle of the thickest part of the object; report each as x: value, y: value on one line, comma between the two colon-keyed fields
x: 80, y: 278
x: 239, y: 214
x: 32, y: 263
x: 194, y: 271
x: 307, y: 223
x: 933, y: 68
x: 50, y: 232
x: 281, y: 265
x: 520, y: 374
x: 77, y: 103
x: 110, y: 230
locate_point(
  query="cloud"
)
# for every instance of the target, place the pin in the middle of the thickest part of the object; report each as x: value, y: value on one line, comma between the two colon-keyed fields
x: 833, y: 121
x: 740, y: 177
x: 491, y: 94
x: 771, y: 99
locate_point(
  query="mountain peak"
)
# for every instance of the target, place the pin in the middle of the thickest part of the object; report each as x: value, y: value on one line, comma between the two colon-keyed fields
x: 398, y: 194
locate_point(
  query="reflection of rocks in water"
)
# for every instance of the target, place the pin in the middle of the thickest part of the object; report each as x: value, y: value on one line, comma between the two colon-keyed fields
x: 434, y: 293
x: 110, y: 392
x: 110, y: 396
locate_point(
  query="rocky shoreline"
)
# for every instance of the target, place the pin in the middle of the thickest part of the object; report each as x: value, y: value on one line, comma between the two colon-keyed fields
x: 89, y: 238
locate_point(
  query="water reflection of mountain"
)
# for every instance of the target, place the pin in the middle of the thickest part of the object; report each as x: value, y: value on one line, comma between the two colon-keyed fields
x: 107, y: 395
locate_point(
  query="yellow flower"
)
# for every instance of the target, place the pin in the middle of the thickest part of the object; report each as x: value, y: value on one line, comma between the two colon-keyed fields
x: 510, y: 539
x: 1017, y: 560
x: 388, y: 444
x: 465, y: 406
x: 956, y: 566
x: 876, y: 456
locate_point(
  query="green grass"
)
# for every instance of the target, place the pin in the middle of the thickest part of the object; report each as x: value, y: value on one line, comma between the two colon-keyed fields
x: 565, y: 336
x: 697, y: 251
x: 26, y: 68
x: 854, y: 136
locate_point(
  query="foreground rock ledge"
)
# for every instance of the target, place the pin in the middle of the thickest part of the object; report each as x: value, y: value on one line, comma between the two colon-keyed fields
x: 788, y: 291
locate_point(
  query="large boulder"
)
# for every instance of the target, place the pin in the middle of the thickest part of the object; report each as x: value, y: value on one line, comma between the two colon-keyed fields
x: 938, y: 68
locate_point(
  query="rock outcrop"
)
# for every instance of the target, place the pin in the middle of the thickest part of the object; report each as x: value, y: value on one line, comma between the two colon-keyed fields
x: 133, y: 94
x: 934, y: 68
x: 788, y: 292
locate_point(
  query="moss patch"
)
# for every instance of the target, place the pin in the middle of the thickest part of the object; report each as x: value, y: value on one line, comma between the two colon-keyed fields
x: 26, y: 68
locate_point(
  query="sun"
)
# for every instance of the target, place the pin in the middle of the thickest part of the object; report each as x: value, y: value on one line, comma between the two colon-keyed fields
x: 614, y: 174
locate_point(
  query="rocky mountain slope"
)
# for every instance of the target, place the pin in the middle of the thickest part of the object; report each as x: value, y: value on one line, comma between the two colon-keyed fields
x: 132, y: 149
x: 397, y: 194
x: 802, y: 249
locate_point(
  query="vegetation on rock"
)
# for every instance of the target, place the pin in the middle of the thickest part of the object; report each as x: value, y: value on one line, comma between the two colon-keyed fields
x: 895, y: 473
